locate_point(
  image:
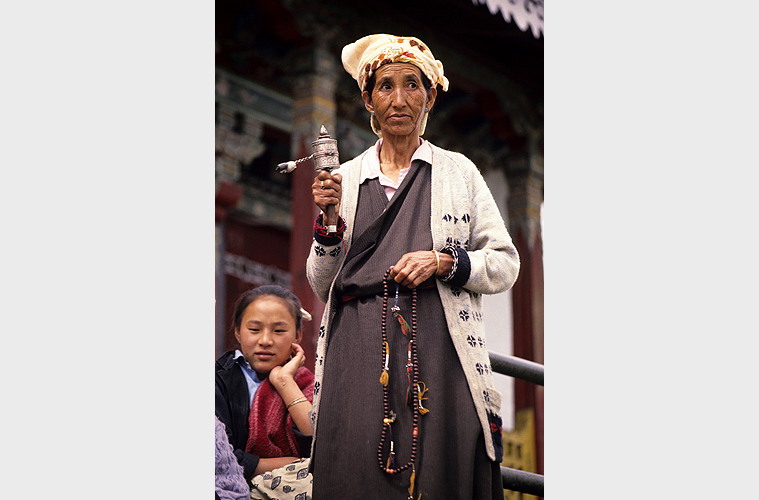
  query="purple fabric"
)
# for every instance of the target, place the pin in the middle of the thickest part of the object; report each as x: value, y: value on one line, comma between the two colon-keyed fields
x: 230, y: 483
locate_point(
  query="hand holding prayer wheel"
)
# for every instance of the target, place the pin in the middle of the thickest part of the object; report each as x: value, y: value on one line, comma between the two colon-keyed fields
x: 327, y: 191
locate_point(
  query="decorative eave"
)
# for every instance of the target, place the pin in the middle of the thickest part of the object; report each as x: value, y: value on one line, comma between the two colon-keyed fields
x: 525, y: 14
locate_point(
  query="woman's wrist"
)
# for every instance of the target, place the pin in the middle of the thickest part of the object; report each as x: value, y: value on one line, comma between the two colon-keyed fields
x: 458, y: 272
x: 321, y: 234
x: 443, y: 264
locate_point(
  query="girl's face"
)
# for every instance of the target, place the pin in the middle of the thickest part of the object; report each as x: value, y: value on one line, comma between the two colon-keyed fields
x: 266, y: 334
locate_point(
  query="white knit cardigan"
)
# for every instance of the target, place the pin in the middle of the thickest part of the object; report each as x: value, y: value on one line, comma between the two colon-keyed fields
x: 463, y: 214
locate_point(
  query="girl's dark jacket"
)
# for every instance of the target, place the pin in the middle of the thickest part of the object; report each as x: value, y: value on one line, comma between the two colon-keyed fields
x: 233, y: 408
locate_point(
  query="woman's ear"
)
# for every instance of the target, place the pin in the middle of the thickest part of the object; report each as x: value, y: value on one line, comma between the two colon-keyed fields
x: 298, y: 336
x: 367, y: 98
x: 432, y: 95
x: 237, y: 335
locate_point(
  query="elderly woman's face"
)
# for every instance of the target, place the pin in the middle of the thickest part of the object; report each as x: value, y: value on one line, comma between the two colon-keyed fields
x: 399, y: 98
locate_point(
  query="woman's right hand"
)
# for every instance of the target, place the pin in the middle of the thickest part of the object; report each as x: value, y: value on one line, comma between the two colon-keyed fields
x: 327, y: 190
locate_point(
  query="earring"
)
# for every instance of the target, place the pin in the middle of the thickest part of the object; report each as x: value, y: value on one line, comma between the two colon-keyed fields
x: 426, y: 110
x: 372, y: 112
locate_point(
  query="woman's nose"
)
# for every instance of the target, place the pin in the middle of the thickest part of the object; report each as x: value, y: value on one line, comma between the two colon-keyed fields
x: 399, y: 99
x: 265, y: 338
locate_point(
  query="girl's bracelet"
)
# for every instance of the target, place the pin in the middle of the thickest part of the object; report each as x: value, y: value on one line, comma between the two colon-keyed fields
x: 296, y: 401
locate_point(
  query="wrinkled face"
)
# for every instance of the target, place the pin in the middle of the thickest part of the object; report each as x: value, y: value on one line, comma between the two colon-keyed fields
x: 266, y: 334
x: 399, y: 99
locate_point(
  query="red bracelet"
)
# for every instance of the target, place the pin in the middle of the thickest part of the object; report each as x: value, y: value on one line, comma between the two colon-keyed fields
x: 321, y: 230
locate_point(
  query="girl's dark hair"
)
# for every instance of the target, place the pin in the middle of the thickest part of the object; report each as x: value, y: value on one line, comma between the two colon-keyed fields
x: 244, y: 300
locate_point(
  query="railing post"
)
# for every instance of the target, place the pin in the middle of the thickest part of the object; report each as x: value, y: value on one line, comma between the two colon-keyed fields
x: 519, y: 368
x: 525, y: 482
x: 528, y: 371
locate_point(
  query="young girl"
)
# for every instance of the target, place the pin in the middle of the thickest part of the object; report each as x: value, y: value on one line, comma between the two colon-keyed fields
x: 264, y: 393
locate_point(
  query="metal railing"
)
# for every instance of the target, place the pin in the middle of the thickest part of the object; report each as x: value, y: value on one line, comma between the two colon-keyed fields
x: 529, y: 371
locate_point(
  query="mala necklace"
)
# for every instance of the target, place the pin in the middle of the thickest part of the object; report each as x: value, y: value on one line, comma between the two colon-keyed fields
x: 414, y: 393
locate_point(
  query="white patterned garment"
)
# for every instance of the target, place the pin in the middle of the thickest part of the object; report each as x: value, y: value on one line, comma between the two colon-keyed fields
x: 291, y: 482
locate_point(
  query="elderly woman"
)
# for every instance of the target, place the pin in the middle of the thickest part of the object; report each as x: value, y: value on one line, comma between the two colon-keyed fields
x: 404, y: 402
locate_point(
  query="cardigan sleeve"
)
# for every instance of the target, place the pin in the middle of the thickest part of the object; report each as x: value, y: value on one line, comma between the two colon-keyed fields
x: 327, y: 255
x: 493, y: 258
x: 229, y: 474
x: 322, y: 265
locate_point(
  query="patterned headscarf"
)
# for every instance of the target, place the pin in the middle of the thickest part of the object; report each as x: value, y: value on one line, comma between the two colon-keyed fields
x: 362, y: 57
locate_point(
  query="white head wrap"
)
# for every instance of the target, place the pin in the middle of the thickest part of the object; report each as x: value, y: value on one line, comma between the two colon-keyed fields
x: 362, y: 57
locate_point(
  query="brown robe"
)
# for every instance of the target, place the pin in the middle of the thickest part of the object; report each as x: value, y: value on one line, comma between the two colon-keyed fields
x: 451, y: 461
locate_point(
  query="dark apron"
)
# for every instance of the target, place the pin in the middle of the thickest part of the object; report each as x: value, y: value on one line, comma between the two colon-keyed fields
x: 451, y: 461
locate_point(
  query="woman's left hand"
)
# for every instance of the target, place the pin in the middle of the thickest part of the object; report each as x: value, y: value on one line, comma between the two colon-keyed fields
x: 414, y: 268
x: 280, y: 375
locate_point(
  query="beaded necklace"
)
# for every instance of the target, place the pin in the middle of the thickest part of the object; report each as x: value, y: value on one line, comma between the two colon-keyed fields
x: 414, y: 393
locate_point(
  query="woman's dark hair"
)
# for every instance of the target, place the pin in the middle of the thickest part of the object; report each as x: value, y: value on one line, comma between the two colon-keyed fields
x: 244, y: 300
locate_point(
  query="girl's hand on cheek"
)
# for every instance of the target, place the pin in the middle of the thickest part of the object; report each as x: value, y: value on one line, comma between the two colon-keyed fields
x: 282, y: 374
